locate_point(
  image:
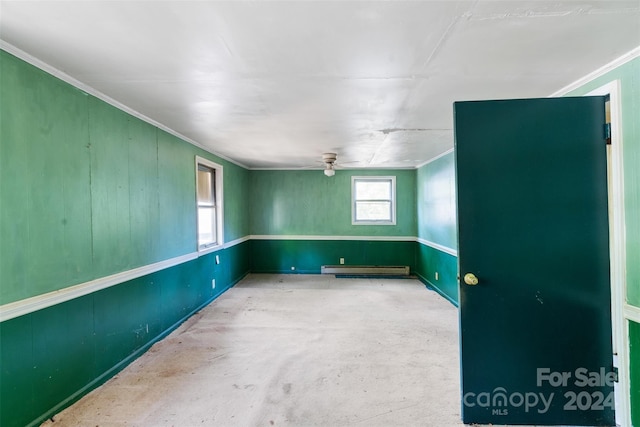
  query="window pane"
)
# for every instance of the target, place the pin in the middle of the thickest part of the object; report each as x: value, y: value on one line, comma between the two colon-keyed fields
x: 205, y: 186
x: 206, y: 225
x: 373, y: 190
x: 373, y: 211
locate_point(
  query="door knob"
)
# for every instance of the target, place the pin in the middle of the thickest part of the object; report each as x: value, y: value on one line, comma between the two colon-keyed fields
x: 470, y: 279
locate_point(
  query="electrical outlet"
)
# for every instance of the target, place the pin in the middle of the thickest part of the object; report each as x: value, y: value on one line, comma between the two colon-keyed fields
x: 213, y: 284
x: 341, y: 261
x: 436, y: 275
x: 292, y: 268
x: 217, y: 259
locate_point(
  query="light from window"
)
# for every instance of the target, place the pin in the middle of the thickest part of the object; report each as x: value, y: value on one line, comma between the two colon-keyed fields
x: 373, y: 200
x: 209, y: 199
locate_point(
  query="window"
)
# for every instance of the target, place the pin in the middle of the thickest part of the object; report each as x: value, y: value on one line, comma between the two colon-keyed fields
x: 209, y: 201
x: 373, y: 200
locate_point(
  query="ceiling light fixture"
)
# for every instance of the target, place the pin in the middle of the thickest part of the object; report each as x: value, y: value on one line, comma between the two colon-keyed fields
x: 329, y: 160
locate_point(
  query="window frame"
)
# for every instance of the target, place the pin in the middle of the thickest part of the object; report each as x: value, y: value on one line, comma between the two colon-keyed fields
x: 392, y: 200
x: 218, y: 177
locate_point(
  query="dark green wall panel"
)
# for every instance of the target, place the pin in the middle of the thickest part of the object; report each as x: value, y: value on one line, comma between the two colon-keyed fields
x: 634, y: 356
x: 61, y: 352
x: 53, y: 356
x: 17, y: 372
x: 126, y: 317
x: 430, y: 261
x: 307, y: 256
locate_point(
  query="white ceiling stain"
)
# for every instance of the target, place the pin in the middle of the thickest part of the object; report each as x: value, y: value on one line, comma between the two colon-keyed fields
x: 275, y: 84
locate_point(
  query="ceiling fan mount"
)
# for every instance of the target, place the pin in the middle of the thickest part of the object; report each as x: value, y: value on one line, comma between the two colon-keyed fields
x: 329, y: 160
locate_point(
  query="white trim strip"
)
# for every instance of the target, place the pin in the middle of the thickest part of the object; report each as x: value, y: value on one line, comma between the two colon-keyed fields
x: 629, y: 56
x: 632, y: 313
x: 223, y: 246
x: 39, y: 302
x: 94, y: 92
x: 236, y: 242
x: 29, y: 305
x: 303, y: 237
x: 437, y: 246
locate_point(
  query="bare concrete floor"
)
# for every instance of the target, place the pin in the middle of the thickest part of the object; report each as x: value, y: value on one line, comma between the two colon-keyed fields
x: 294, y: 350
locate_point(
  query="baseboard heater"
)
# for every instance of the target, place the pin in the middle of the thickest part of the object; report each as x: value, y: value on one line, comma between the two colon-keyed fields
x: 397, y: 270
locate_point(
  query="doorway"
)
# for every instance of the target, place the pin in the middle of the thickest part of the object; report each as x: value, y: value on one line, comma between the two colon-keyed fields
x: 615, y: 183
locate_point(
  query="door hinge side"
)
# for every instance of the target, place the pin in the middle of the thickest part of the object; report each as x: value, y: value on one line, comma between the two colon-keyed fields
x: 607, y: 133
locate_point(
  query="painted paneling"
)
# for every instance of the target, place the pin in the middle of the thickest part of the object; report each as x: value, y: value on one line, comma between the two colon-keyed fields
x: 110, y: 207
x: 430, y: 261
x: 88, y: 191
x: 44, y: 182
x: 177, y: 200
x: 436, y: 202
x: 629, y: 76
x: 308, y: 256
x: 145, y: 243
x: 53, y: 356
x: 634, y: 356
x: 236, y: 202
x: 436, y: 215
x: 309, y: 203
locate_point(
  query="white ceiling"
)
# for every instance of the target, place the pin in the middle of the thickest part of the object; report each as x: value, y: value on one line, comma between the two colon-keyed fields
x: 275, y: 84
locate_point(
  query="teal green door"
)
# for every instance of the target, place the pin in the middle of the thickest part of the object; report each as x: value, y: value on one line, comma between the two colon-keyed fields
x: 535, y: 331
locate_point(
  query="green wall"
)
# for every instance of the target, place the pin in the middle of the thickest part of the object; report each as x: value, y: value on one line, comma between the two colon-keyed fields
x: 436, y: 213
x: 51, y: 357
x: 88, y: 191
x: 307, y: 256
x: 309, y: 203
x: 436, y: 201
x: 629, y: 77
x: 634, y: 355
